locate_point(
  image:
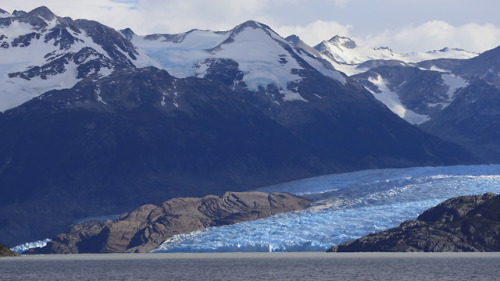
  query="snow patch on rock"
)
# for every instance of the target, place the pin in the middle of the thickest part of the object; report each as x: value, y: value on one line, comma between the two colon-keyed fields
x: 392, y: 101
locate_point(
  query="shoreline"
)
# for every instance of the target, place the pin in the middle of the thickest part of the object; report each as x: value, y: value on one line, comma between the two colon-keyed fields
x: 255, y: 266
x: 257, y: 255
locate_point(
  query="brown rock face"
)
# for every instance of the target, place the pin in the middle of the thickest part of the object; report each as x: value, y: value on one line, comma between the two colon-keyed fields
x: 145, y: 228
x: 6, y: 252
x: 461, y: 224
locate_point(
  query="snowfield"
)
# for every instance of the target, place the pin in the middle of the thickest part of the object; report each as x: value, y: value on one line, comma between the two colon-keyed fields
x: 346, y: 207
x: 392, y: 100
x: 346, y: 55
x: 262, y: 55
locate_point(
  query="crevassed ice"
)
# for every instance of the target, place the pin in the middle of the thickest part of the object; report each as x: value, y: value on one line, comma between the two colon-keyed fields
x: 30, y: 245
x: 346, y: 207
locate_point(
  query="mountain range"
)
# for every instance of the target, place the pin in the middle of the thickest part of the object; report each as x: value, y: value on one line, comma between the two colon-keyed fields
x: 98, y: 122
x: 352, y: 58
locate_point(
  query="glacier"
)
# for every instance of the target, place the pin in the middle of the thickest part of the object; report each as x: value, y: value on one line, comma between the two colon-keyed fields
x: 30, y: 245
x: 345, y: 207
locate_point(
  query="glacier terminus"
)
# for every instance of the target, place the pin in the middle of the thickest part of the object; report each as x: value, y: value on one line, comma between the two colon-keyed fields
x: 347, y: 206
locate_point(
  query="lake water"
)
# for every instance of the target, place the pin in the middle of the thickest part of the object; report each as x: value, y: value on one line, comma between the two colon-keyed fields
x: 255, y: 266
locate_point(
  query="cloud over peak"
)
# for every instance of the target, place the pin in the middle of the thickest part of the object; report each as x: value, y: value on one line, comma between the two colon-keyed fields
x: 437, y: 34
x: 405, y: 26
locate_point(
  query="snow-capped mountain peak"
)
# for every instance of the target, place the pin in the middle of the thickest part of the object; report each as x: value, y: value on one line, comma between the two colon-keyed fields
x: 302, y: 46
x: 41, y: 12
x: 41, y: 51
x: 4, y: 14
x: 249, y: 24
x: 352, y: 58
x: 341, y: 41
x: 261, y: 60
x: 345, y: 54
x: 259, y: 30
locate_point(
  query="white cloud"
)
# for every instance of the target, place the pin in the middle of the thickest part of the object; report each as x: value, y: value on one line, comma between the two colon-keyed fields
x: 174, y: 16
x: 109, y: 12
x: 339, y: 3
x: 434, y: 35
x: 315, y: 32
x: 313, y: 21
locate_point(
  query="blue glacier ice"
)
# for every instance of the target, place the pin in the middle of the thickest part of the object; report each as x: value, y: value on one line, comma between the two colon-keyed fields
x: 346, y: 206
x: 30, y: 245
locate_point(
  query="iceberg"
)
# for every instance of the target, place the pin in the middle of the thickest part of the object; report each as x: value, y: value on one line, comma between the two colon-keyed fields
x: 346, y: 207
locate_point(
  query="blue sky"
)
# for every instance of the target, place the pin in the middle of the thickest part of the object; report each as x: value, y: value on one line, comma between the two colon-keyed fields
x: 403, y: 25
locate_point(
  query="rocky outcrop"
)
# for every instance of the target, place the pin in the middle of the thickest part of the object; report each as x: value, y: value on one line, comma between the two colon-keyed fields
x: 6, y: 252
x: 461, y: 224
x: 145, y: 228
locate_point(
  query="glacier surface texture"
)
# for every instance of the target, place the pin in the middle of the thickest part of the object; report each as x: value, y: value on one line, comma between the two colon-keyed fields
x: 346, y: 207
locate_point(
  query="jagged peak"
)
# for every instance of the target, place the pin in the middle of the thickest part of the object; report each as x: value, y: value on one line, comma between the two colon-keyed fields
x: 294, y: 39
x: 179, y: 37
x: 5, y: 14
x: 301, y: 45
x: 343, y: 41
x: 19, y: 13
x: 42, y: 12
x: 127, y: 33
x: 39, y: 17
x: 447, y: 49
x: 252, y: 24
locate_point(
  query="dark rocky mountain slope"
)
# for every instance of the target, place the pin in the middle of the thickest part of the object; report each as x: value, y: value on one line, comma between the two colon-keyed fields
x: 471, y: 120
x: 459, y: 106
x: 421, y: 91
x: 124, y: 135
x: 461, y: 224
x: 145, y: 228
x: 485, y: 66
x: 135, y: 137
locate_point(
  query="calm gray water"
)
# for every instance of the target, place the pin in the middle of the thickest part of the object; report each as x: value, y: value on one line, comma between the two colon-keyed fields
x: 255, y: 266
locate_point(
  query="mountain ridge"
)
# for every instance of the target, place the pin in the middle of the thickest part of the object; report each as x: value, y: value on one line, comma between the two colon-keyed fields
x: 257, y: 111
x: 42, y: 52
x: 452, y: 99
x: 347, y: 56
x: 157, y: 137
